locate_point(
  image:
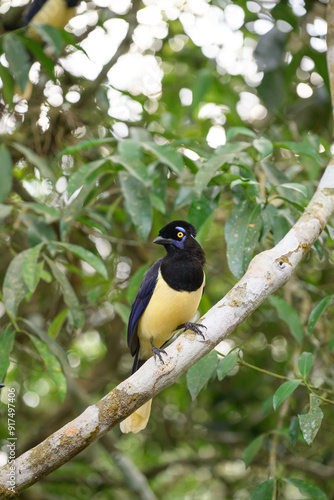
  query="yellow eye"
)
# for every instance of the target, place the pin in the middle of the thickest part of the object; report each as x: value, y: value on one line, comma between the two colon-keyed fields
x: 180, y: 234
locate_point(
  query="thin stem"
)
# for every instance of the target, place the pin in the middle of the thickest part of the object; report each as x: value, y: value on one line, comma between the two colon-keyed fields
x: 310, y: 387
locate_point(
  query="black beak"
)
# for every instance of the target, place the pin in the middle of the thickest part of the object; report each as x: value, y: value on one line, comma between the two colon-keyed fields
x: 163, y: 241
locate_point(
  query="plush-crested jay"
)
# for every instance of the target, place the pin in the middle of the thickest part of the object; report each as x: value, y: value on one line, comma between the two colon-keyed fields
x: 166, y: 301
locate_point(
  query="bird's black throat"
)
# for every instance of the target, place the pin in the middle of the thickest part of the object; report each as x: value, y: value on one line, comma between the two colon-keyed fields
x: 183, y: 269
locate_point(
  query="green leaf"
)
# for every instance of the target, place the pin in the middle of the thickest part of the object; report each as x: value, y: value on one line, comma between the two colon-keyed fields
x: 311, y: 422
x: 36, y: 160
x: 158, y: 203
x: 50, y: 214
x: 242, y: 232
x: 137, y: 203
x: 129, y: 156
x: 264, y: 491
x: 18, y: 59
x: 54, y: 348
x: 72, y: 210
x: 52, y: 365
x: 38, y: 230
x: 243, y: 182
x: 14, y: 286
x: 6, y: 173
x: 300, y: 188
x: 8, y: 85
x: 202, y: 208
x: 300, y: 149
x: 39, y: 54
x: 252, y: 449
x: 234, y: 131
x: 123, y: 311
x: 134, y: 167
x: 200, y: 373
x: 70, y: 150
x: 290, y: 316
x: 226, y: 364
x: 331, y: 343
x: 298, y: 206
x: 264, y: 147
x: 305, y: 363
x: 307, y: 489
x: 284, y: 391
x: 93, y: 260
x: 184, y: 196
x: 201, y: 85
x: 280, y: 227
x: 294, y: 430
x: 222, y: 158
x: 272, y: 90
x: 166, y: 154
x: 204, y: 229
x: 268, y: 214
x: 57, y: 323
x: 51, y: 36
x: 29, y: 269
x: 7, y: 337
x: 5, y: 210
x: 317, y: 312
x: 208, y: 170
x: 274, y: 175
x: 135, y: 283
x: 46, y: 276
x: 78, y: 179
x: 70, y: 298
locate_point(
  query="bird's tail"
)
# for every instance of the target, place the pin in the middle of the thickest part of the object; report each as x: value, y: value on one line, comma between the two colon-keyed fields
x: 138, y: 420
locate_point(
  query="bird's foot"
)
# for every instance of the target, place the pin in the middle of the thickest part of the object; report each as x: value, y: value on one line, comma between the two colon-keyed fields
x: 194, y: 327
x: 157, y: 352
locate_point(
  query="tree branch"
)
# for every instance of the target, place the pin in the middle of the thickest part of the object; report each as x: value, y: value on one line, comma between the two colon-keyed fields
x: 267, y: 272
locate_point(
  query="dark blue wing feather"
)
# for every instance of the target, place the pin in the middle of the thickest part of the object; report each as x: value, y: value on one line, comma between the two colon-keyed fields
x: 140, y: 303
x: 33, y: 9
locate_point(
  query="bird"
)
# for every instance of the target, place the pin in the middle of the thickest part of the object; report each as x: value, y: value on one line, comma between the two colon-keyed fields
x: 56, y: 13
x: 167, y: 300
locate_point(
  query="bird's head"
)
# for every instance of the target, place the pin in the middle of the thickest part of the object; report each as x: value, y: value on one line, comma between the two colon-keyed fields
x: 177, y: 235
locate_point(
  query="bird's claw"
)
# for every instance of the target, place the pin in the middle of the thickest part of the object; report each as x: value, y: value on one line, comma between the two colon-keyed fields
x: 156, y: 352
x: 194, y: 327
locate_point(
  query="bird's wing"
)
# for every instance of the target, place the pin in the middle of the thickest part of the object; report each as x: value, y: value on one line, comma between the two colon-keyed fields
x: 140, y: 303
x: 32, y: 10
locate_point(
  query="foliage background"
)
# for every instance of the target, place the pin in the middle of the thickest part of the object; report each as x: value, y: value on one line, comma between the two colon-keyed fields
x: 228, y: 127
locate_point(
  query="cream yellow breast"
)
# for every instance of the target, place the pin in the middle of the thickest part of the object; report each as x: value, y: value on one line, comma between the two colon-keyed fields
x: 166, y: 310
x: 54, y: 12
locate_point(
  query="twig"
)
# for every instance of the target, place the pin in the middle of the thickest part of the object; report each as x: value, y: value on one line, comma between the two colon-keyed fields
x: 311, y: 387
